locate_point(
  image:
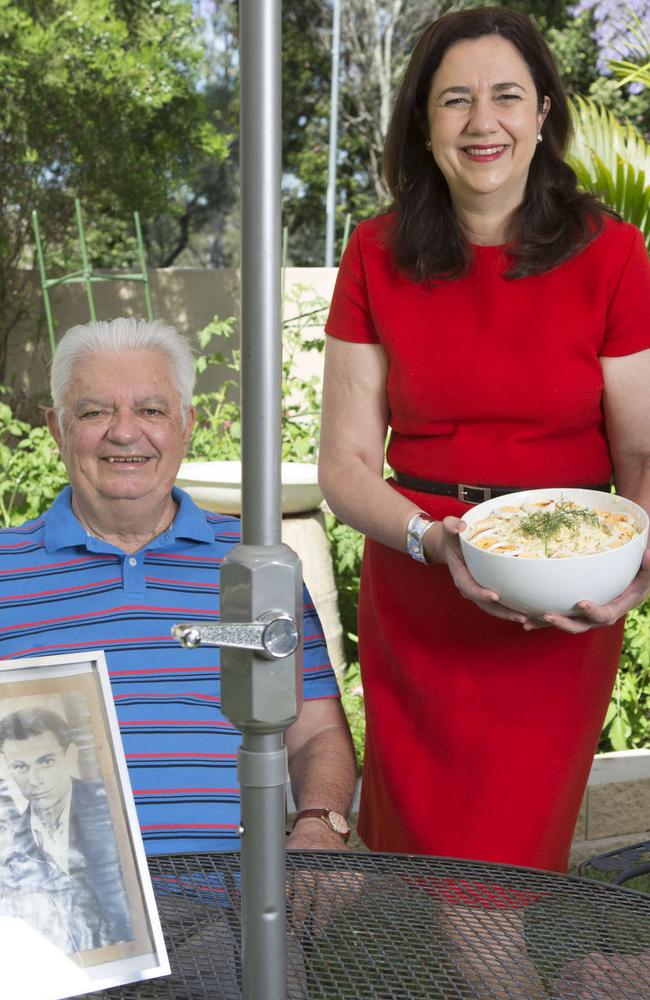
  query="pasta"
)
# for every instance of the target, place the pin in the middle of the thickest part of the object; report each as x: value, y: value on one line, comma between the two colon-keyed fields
x: 555, y: 529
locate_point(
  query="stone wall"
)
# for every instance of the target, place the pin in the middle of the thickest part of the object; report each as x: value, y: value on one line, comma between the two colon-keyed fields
x: 616, y: 807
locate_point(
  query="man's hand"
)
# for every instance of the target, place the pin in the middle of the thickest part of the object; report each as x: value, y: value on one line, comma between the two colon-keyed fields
x: 313, y: 834
x: 322, y: 770
x: 598, y: 977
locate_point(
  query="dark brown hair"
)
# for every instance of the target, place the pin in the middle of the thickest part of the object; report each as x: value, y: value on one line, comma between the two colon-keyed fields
x: 27, y: 722
x: 555, y: 220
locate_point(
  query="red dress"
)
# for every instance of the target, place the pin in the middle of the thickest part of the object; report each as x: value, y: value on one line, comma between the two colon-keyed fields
x: 480, y: 736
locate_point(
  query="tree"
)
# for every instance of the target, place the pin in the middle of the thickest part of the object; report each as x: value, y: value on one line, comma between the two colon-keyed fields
x: 306, y: 59
x: 201, y: 226
x: 376, y: 39
x: 98, y: 100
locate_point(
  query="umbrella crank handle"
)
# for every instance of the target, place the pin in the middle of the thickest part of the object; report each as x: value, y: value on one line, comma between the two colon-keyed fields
x: 274, y: 635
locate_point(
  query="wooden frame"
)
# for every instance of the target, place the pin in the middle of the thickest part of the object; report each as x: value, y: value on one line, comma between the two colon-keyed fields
x: 77, y: 909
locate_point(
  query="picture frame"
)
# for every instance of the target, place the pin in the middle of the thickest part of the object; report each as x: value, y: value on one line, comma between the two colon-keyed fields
x: 77, y: 908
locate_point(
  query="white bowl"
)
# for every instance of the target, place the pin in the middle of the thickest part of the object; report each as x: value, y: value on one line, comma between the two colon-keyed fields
x: 217, y: 486
x: 536, y: 586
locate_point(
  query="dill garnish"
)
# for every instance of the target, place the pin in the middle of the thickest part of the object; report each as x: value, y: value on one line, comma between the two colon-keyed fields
x: 547, y: 524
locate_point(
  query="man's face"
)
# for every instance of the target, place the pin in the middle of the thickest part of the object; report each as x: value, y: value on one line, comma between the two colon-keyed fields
x: 41, y: 768
x: 124, y: 431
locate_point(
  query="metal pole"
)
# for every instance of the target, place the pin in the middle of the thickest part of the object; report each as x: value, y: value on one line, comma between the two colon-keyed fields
x: 84, y: 259
x: 334, y: 114
x: 143, y: 265
x: 260, y: 171
x: 41, y: 271
x: 262, y: 767
x: 260, y: 579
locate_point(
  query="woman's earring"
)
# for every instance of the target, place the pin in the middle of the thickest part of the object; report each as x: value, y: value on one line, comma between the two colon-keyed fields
x: 427, y: 144
x: 539, y: 136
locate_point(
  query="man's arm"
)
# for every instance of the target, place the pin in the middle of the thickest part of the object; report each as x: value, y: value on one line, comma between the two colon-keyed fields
x: 322, y: 770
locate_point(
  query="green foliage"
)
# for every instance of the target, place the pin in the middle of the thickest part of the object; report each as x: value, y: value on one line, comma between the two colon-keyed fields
x: 576, y: 53
x: 301, y: 395
x: 346, y: 546
x: 627, y: 724
x: 612, y: 159
x: 352, y: 701
x: 217, y: 434
x: 32, y: 471
x: 99, y: 102
x: 636, y: 70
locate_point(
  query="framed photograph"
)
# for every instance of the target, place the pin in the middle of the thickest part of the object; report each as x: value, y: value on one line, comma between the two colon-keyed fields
x: 77, y: 909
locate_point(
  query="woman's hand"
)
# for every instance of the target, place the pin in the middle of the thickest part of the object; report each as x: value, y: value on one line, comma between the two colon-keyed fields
x: 441, y: 545
x: 602, y: 615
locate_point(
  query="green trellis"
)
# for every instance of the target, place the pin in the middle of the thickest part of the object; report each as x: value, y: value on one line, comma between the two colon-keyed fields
x: 85, y: 275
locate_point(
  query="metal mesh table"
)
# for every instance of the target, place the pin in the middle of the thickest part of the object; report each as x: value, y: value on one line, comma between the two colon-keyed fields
x: 396, y: 927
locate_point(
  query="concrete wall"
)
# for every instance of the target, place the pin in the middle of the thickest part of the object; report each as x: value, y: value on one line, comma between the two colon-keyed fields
x: 616, y: 808
x: 188, y: 298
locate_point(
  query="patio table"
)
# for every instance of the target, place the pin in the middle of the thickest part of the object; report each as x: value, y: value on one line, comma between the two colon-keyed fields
x: 398, y: 927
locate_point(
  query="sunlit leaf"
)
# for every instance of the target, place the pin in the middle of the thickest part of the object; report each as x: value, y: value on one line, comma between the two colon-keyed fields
x: 612, y: 160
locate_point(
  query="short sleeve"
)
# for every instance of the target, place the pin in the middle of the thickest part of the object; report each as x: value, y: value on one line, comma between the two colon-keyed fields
x: 318, y: 677
x: 627, y: 329
x: 349, y: 316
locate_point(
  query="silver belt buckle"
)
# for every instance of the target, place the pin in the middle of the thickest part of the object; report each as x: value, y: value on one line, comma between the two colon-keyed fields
x: 484, y: 493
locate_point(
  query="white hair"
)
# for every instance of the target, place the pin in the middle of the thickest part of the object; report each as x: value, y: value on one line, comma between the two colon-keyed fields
x: 118, y: 335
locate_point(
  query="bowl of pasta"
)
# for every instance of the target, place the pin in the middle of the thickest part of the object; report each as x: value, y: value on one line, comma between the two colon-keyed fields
x: 546, y: 550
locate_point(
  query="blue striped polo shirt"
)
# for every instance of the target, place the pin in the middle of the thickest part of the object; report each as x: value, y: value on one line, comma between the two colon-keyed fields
x: 64, y: 591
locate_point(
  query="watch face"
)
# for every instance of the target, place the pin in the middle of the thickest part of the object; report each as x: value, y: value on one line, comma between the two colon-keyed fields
x: 338, y: 822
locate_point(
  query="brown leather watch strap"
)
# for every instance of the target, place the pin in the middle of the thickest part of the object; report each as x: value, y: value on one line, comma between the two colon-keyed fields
x: 334, y: 820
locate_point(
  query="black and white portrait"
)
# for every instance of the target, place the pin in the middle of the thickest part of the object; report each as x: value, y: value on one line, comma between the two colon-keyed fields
x: 63, y: 840
x: 75, y: 892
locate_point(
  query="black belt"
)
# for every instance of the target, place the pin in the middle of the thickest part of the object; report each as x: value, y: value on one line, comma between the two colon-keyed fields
x: 472, y: 494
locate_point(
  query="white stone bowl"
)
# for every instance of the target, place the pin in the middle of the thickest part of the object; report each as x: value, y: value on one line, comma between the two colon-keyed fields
x: 216, y: 486
x: 536, y: 586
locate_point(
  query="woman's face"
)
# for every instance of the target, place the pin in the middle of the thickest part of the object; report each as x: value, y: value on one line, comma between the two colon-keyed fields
x: 484, y: 119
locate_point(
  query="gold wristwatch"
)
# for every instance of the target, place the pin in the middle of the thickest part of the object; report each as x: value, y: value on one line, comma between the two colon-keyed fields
x: 334, y: 820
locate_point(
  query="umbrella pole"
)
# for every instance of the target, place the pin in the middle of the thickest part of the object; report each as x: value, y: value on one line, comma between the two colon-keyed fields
x: 271, y: 570
x: 260, y: 580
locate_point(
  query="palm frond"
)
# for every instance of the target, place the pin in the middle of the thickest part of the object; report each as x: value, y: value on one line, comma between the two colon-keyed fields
x: 612, y: 160
x: 630, y: 72
x: 635, y: 69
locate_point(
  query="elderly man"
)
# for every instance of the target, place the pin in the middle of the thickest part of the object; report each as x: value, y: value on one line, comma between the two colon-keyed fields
x: 120, y: 556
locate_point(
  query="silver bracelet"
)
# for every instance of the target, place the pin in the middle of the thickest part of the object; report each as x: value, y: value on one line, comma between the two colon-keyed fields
x: 416, y: 529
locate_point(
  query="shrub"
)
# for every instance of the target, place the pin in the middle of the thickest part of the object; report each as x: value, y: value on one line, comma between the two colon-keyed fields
x: 32, y: 472
x: 217, y: 434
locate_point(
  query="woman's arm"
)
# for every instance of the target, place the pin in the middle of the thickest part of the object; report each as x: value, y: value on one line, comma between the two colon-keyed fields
x: 626, y: 404
x: 627, y: 419
x: 353, y: 432
x: 351, y: 465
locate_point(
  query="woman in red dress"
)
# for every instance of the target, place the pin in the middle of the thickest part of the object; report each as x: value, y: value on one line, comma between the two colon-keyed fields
x: 497, y: 320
